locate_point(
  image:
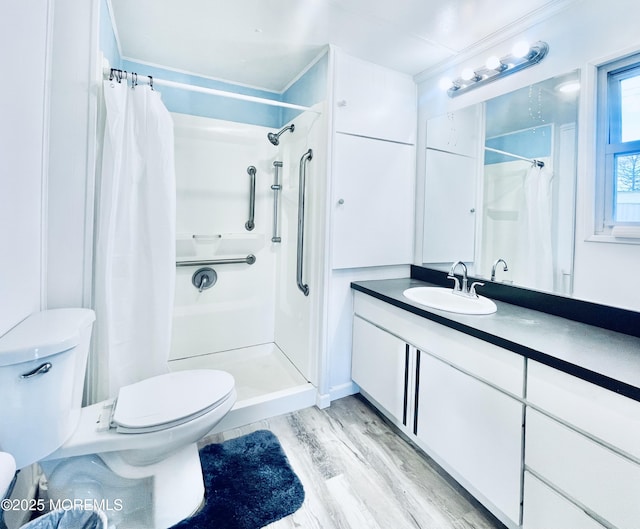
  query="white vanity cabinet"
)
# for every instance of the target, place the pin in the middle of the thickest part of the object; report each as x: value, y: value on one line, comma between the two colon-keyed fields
x: 546, y: 509
x: 373, y: 202
x: 373, y: 165
x: 540, y: 448
x: 373, y: 101
x: 453, y: 160
x: 458, y: 132
x: 450, y: 199
x: 474, y: 431
x: 456, y: 396
x: 379, y: 367
x: 583, y: 442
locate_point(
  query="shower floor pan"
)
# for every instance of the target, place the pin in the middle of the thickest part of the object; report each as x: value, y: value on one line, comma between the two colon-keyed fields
x: 267, y: 383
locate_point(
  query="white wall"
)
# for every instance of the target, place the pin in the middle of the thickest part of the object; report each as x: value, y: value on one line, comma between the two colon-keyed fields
x: 24, y: 36
x: 585, y: 33
x: 71, y: 153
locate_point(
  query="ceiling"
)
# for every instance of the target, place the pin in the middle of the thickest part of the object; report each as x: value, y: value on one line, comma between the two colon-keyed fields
x: 267, y: 43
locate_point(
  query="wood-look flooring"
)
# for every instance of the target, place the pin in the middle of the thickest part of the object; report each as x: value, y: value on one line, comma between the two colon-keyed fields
x: 358, y: 473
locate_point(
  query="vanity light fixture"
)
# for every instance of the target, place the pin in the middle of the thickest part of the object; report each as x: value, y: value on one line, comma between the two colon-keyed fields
x: 522, y: 56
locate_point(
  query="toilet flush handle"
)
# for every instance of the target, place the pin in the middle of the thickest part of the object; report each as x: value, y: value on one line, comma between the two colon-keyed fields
x: 41, y: 370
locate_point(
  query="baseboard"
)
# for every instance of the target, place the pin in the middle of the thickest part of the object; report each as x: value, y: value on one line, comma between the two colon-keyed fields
x: 323, y: 400
x: 343, y: 390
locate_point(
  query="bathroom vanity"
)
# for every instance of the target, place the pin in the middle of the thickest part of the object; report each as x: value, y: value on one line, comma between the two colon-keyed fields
x: 536, y: 415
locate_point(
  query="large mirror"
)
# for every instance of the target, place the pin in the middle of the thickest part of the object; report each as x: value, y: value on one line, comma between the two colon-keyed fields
x: 500, y: 184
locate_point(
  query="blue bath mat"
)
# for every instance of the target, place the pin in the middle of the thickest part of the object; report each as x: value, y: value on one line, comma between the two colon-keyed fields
x: 248, y: 484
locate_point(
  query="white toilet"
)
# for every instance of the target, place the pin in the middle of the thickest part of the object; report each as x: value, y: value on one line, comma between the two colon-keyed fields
x: 7, y: 470
x: 145, y: 439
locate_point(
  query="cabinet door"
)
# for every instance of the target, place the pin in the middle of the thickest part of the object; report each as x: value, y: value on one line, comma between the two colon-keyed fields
x: 379, y: 367
x: 373, y: 202
x: 545, y: 509
x: 449, y: 207
x: 456, y: 132
x: 474, y: 431
x: 374, y: 101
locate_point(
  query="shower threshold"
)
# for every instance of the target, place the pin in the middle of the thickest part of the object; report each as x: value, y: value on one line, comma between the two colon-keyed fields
x: 267, y: 383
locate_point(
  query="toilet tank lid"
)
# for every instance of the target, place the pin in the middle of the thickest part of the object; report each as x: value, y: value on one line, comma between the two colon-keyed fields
x: 44, y: 334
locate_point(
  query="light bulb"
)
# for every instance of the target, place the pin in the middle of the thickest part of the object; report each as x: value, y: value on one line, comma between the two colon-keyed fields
x: 568, y: 87
x: 520, y: 49
x: 493, y: 63
x: 467, y: 74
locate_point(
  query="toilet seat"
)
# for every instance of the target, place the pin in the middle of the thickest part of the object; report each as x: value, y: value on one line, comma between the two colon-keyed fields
x: 167, y: 400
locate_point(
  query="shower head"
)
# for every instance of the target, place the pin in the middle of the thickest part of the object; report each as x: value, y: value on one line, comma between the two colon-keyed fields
x: 275, y: 137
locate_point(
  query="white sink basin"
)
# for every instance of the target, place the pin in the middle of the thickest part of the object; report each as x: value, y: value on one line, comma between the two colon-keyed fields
x: 445, y: 299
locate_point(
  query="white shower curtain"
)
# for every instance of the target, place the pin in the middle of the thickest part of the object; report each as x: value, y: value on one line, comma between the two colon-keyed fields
x: 135, y: 246
x: 536, y: 238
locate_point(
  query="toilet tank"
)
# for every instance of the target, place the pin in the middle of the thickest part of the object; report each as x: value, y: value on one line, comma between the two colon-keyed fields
x: 42, y: 366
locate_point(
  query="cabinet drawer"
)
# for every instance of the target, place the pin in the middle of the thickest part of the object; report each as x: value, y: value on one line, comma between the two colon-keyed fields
x: 503, y: 368
x: 602, y: 413
x: 544, y: 508
x: 584, y: 470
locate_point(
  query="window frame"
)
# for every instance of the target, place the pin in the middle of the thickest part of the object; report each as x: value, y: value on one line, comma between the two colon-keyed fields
x: 609, y: 144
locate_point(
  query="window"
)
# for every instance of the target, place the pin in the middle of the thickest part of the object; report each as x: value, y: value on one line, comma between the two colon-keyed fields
x: 619, y: 145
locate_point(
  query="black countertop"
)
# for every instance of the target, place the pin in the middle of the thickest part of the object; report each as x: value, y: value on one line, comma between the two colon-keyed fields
x: 604, y: 357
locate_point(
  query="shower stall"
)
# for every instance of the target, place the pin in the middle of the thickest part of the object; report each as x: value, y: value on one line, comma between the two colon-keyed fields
x: 250, y: 227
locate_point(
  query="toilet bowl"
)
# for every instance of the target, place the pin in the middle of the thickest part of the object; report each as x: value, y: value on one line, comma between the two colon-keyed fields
x: 148, y: 433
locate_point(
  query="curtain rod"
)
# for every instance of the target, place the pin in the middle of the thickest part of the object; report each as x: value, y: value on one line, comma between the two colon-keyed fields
x: 532, y: 161
x: 154, y: 81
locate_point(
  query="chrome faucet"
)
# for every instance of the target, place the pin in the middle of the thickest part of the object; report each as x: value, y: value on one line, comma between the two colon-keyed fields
x: 495, y: 264
x: 451, y: 275
x: 463, y: 290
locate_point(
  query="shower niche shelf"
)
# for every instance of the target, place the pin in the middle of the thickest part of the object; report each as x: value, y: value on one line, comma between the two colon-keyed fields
x: 191, y: 246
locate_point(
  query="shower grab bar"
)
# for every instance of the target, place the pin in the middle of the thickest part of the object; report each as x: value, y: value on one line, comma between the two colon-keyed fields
x: 306, y: 157
x: 276, y: 187
x: 249, y: 259
x: 250, y: 224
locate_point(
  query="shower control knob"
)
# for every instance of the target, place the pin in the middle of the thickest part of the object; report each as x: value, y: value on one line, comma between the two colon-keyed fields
x: 341, y: 201
x: 204, y: 278
x: 472, y: 210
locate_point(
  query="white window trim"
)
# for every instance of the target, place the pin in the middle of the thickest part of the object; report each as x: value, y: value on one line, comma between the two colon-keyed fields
x: 605, y: 230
